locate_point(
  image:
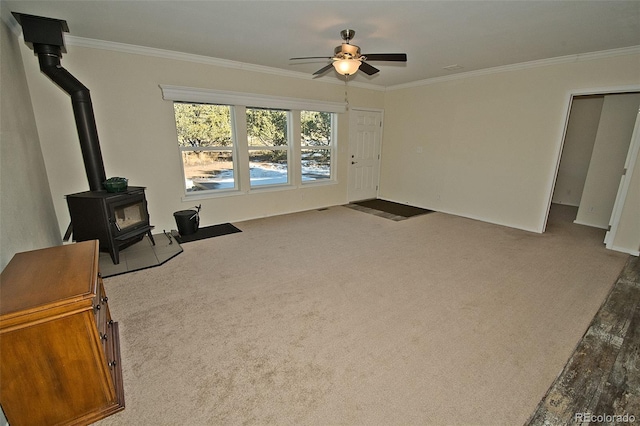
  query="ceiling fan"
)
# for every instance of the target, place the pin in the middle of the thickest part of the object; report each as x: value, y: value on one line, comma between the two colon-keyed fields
x: 347, y: 58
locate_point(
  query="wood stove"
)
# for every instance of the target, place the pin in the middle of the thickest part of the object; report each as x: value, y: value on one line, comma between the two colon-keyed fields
x: 116, y: 219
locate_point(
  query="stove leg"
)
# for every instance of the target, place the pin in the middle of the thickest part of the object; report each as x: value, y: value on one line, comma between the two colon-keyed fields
x: 151, y: 238
x: 67, y: 234
x: 115, y: 254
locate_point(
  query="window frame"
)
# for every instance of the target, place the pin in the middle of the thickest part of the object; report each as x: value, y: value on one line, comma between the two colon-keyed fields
x: 239, y: 102
x: 286, y: 148
x: 233, y: 149
x: 331, y: 148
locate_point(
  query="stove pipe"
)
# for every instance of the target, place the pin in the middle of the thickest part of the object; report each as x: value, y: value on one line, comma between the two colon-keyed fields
x: 45, y: 37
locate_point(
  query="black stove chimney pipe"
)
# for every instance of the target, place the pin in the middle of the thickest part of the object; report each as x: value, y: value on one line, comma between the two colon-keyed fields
x: 45, y: 35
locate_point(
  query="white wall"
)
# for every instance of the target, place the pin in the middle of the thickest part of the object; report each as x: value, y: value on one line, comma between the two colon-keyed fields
x: 27, y: 219
x: 138, y: 137
x: 578, y: 146
x: 610, y: 151
x: 487, y: 146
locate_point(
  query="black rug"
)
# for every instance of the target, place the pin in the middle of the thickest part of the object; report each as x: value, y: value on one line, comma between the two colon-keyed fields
x: 388, y: 209
x: 207, y: 232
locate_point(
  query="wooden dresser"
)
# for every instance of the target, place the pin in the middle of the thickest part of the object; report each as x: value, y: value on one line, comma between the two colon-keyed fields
x: 59, y: 347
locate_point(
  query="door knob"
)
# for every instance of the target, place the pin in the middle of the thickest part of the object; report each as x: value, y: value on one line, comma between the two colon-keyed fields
x: 354, y: 162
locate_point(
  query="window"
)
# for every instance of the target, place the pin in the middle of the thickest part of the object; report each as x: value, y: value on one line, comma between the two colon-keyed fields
x: 234, y: 143
x: 206, y: 141
x: 316, y: 145
x: 268, y: 146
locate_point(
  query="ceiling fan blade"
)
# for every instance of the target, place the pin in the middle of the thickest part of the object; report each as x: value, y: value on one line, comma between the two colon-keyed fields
x: 368, y: 69
x: 398, y: 57
x: 323, y: 69
x: 311, y: 57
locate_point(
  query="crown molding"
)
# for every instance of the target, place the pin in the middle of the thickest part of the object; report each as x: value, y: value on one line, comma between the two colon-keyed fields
x: 632, y: 50
x: 200, y: 59
x: 194, y: 94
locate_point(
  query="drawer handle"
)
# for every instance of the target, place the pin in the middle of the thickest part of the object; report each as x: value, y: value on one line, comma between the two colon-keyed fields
x: 110, y: 322
x: 97, y: 307
x: 104, y: 299
x: 112, y: 364
x: 103, y: 336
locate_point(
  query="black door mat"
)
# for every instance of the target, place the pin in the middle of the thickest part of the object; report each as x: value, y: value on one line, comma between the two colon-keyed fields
x: 206, y: 232
x: 388, y: 209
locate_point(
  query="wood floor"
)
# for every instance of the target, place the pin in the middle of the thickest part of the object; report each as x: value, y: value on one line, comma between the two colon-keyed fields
x: 601, y: 382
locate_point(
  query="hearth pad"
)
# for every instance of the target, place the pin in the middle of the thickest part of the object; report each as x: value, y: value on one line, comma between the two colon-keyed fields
x: 141, y: 255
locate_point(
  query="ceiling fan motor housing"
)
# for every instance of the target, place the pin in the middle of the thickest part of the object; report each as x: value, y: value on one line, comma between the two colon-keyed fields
x: 346, y: 50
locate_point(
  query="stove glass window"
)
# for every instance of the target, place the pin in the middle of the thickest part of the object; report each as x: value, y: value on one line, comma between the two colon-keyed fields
x: 129, y: 215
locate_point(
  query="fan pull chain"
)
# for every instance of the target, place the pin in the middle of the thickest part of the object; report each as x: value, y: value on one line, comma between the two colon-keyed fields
x: 346, y: 96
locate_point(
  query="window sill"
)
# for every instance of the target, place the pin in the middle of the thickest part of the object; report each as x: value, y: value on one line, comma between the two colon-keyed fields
x: 198, y: 195
x: 272, y: 188
x: 318, y: 183
x: 267, y: 188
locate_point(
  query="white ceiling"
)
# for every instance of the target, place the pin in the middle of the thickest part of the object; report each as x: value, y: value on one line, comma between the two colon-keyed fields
x: 435, y: 34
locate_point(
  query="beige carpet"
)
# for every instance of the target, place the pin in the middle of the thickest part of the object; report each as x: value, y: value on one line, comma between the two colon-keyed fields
x: 341, y: 317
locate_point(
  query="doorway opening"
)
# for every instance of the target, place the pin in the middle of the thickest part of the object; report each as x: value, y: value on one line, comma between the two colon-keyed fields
x: 596, y: 149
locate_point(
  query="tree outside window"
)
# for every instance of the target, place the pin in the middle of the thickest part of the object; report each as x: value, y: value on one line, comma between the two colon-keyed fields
x: 317, y: 146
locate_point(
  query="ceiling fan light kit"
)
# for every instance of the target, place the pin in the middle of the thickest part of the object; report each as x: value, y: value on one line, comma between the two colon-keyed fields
x: 347, y: 59
x: 346, y: 66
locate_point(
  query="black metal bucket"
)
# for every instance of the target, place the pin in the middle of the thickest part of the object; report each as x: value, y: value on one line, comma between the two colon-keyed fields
x: 187, y: 221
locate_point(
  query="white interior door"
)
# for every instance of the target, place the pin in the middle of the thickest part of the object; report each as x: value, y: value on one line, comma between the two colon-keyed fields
x: 365, y: 143
x: 629, y: 166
